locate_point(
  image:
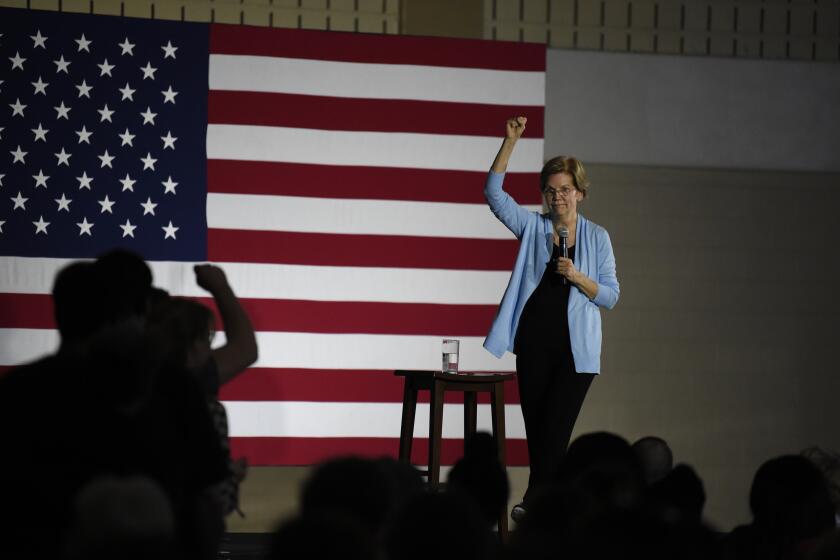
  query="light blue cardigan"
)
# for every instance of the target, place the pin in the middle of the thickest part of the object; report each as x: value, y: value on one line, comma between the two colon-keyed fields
x: 593, y: 256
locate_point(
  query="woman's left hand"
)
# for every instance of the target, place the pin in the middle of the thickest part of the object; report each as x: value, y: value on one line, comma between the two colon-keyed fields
x: 566, y: 267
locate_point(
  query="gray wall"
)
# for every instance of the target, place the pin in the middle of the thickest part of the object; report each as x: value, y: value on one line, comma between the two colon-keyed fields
x: 692, y: 111
x: 723, y: 340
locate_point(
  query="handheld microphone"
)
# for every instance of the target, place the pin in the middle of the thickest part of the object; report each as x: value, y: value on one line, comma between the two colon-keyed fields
x: 564, y: 246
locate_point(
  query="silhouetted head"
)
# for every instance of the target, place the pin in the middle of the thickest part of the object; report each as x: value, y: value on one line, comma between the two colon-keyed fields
x: 680, y: 495
x: 182, y: 329
x: 604, y: 463
x: 76, y: 303
x: 126, y: 281
x: 654, y: 457
x: 480, y: 475
x: 790, y: 499
x: 362, y: 489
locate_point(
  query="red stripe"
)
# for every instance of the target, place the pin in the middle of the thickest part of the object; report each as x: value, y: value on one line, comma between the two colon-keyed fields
x: 386, y: 183
x: 381, y: 49
x: 307, y: 451
x: 26, y: 311
x: 377, y: 115
x: 318, y: 385
x: 34, y: 311
x: 367, y: 317
x: 327, y: 249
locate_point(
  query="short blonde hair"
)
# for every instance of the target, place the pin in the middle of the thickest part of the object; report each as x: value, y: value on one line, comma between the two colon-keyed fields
x: 565, y: 164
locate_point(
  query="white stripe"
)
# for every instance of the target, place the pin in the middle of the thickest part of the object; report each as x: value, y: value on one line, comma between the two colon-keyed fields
x: 19, y: 346
x: 275, y: 281
x: 319, y: 419
x: 351, y: 216
x: 376, y: 81
x: 375, y: 149
x: 306, y: 350
x: 371, y: 351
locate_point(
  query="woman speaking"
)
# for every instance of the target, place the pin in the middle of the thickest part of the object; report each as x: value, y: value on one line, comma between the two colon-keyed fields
x: 550, y: 313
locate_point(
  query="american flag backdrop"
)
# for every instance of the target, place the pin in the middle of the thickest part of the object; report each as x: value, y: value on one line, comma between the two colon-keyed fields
x: 337, y: 178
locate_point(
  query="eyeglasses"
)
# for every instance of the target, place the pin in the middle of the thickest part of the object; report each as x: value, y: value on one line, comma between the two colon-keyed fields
x: 557, y: 193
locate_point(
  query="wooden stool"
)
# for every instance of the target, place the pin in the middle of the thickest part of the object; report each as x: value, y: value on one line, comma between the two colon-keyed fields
x: 437, y: 383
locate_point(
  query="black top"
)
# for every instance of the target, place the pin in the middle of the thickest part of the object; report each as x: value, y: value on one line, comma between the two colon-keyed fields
x: 545, y: 321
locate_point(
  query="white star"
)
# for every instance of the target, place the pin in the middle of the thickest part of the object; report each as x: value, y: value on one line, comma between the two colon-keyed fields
x: 106, y: 160
x: 64, y: 203
x: 148, y: 71
x: 84, y: 89
x: 17, y: 107
x: 20, y: 155
x: 127, y: 183
x: 148, y: 206
x: 1, y: 225
x: 83, y: 43
x: 169, y: 185
x: 62, y: 112
x: 106, y: 205
x: 1, y: 130
x: 40, y: 86
x: 127, y: 92
x: 84, y: 135
x: 128, y: 229
x: 1, y: 178
x: 148, y: 162
x: 40, y: 40
x: 127, y: 48
x: 168, y: 140
x: 127, y: 137
x: 41, y: 226
x: 61, y: 65
x: 63, y: 158
x: 148, y: 116
x: 105, y: 68
x: 170, y: 230
x: 40, y: 133
x: 169, y: 95
x: 105, y: 114
x: 84, y: 227
x: 169, y: 50
x: 20, y: 202
x: 17, y: 61
x: 84, y: 181
x: 40, y: 179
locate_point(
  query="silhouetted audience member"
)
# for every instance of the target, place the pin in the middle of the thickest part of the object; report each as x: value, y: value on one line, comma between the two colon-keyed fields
x: 604, y: 464
x: 183, y: 330
x: 679, y: 496
x: 655, y: 458
x: 362, y: 489
x: 480, y: 475
x: 791, y: 509
x: 102, y: 405
x: 322, y: 537
x: 121, y: 517
x: 443, y: 526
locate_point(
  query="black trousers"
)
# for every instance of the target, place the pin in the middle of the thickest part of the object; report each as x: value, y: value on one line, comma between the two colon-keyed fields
x: 551, y: 394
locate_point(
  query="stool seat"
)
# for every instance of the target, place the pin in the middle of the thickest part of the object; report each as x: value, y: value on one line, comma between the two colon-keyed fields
x: 437, y: 383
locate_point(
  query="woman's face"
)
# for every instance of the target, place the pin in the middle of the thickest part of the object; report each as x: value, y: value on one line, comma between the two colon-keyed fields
x: 561, y: 196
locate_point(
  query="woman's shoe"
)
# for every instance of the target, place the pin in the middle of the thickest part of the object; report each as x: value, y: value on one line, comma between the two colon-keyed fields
x: 518, y: 512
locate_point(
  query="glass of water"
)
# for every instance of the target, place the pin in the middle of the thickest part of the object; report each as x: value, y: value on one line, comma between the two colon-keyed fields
x: 450, y: 355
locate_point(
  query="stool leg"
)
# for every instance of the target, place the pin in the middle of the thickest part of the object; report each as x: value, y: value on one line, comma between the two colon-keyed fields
x: 470, y: 414
x: 407, y: 425
x: 435, y: 433
x: 497, y: 412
